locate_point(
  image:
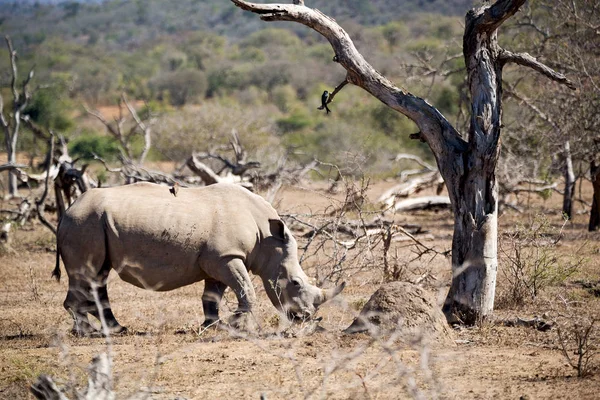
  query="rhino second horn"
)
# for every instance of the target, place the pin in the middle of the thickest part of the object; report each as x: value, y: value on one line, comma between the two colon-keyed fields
x: 331, y: 293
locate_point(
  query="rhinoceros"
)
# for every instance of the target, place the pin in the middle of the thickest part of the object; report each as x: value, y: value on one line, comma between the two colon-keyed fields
x: 158, y: 240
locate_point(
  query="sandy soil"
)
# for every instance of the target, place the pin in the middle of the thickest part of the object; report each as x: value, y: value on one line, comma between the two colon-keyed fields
x: 165, y: 356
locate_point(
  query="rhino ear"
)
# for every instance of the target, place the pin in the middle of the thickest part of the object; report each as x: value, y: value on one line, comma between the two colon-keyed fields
x: 278, y: 230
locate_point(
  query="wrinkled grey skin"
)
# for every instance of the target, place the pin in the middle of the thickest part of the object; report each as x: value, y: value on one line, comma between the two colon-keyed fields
x: 158, y: 241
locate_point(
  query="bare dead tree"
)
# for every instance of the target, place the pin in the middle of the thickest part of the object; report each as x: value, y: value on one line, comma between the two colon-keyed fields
x: 567, y: 32
x: 466, y: 161
x: 69, y: 180
x: 238, y: 166
x: 11, y: 123
x: 41, y: 202
x: 208, y: 176
x: 123, y: 130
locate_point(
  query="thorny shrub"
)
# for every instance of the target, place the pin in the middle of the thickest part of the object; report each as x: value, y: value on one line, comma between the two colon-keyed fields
x: 530, y: 262
x: 353, y: 236
x: 578, y: 336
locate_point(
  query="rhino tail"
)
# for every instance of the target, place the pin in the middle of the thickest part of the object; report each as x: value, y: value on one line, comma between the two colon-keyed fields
x: 56, y: 272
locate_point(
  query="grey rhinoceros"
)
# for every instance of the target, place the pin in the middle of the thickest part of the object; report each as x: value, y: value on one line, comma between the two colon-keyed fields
x: 160, y: 241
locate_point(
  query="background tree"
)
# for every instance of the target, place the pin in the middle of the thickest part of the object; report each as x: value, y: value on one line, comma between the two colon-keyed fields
x: 10, y: 118
x: 566, y: 33
x: 467, y: 161
x: 573, y: 43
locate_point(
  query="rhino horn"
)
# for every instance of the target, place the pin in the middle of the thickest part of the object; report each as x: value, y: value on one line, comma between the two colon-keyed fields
x: 330, y: 293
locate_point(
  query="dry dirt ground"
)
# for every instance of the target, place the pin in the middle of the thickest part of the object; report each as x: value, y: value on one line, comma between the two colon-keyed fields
x: 164, y: 356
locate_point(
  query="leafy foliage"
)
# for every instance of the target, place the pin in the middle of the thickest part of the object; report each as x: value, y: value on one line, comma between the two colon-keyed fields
x: 531, y: 262
x: 90, y: 144
x: 212, y: 55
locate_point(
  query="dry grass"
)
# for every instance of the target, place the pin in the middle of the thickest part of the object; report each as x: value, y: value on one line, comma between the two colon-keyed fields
x: 165, y: 356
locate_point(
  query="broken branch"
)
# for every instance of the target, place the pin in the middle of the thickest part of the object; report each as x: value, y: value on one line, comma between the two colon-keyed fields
x: 336, y: 90
x: 527, y: 60
x: 40, y: 203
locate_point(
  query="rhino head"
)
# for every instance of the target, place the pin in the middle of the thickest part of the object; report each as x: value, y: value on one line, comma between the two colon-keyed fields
x: 285, y: 282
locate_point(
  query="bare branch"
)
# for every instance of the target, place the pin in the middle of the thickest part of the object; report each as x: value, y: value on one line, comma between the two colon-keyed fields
x: 36, y: 129
x: 417, y: 159
x: 11, y: 166
x: 539, y: 189
x: 203, y: 171
x: 106, y: 166
x: 145, y: 129
x: 40, y: 203
x: 336, y: 90
x: 26, y: 94
x: 101, y: 118
x: 13, y: 64
x: 115, y: 129
x: 527, y: 60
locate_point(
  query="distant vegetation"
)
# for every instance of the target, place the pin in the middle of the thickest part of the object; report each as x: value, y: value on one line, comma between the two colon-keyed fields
x: 192, y: 53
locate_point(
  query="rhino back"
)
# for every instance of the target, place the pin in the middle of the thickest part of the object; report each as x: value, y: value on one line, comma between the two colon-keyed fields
x: 161, y: 241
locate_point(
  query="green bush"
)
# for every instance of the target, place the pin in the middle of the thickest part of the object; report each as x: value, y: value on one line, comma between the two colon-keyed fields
x: 88, y: 144
x: 182, y: 86
x: 294, y: 122
x: 272, y: 37
x: 49, y: 110
x: 530, y: 262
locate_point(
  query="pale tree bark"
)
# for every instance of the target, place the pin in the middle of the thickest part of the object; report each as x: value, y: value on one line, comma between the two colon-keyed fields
x: 569, y: 194
x: 467, y: 162
x: 10, y: 120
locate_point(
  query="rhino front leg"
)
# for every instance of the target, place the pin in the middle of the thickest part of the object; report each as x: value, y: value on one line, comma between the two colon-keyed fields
x: 235, y: 275
x: 213, y: 293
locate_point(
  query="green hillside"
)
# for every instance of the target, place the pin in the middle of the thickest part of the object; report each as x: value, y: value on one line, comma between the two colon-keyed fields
x: 208, y: 53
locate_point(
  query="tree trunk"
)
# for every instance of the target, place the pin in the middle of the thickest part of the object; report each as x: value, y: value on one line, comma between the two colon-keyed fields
x: 467, y: 164
x: 13, y: 184
x: 595, y: 211
x: 569, y: 182
x: 474, y: 257
x: 475, y: 241
x: 472, y: 181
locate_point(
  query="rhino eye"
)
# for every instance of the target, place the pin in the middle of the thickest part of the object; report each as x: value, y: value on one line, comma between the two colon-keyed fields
x: 296, y: 282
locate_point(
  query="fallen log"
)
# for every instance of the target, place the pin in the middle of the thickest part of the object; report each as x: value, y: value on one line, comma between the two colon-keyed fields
x: 208, y: 176
x: 413, y: 186
x: 423, y: 203
x: 11, y: 166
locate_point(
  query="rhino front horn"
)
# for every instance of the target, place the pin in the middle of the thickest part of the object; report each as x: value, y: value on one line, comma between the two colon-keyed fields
x: 331, y: 293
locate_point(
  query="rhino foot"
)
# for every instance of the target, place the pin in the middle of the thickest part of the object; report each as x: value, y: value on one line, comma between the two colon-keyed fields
x: 244, y: 322
x: 117, y: 330
x: 86, y: 333
x: 91, y: 332
x: 211, y: 323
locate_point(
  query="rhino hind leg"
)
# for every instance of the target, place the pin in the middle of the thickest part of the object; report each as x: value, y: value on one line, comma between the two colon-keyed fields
x: 213, y: 293
x: 81, y: 301
x: 109, y: 318
x: 78, y: 305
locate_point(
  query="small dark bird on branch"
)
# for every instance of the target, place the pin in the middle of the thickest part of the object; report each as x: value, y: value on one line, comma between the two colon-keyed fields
x: 324, y: 99
x: 174, y: 189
